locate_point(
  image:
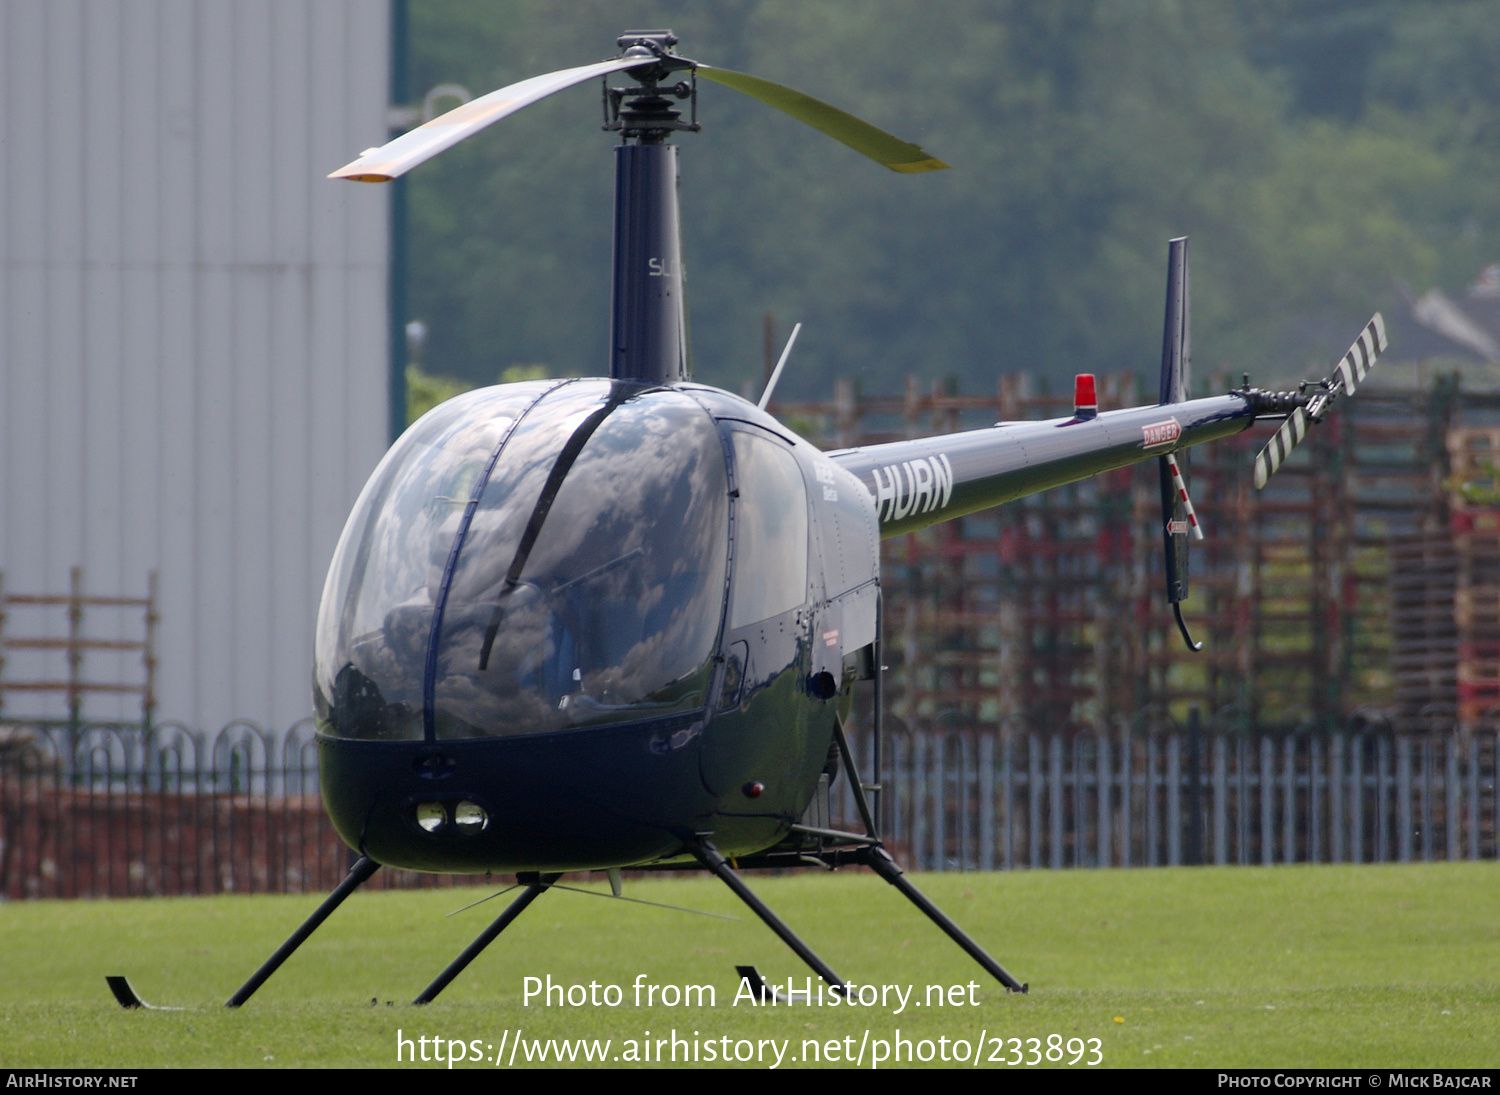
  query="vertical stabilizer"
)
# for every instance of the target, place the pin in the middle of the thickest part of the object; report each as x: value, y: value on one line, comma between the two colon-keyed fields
x: 1176, y: 368
x: 1176, y: 340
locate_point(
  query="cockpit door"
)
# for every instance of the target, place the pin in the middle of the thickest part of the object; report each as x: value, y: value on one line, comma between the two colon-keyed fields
x: 757, y: 735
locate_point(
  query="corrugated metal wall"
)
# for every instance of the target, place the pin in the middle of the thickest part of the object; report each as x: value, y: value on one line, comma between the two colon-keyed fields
x: 193, y: 327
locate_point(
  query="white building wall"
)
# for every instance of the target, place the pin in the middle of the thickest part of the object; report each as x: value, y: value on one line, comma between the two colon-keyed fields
x: 193, y: 329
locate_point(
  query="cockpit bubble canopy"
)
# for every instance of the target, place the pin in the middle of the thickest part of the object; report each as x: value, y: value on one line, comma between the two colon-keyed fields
x: 529, y: 558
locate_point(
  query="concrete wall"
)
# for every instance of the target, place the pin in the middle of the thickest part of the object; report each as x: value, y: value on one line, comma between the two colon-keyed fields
x: 193, y: 329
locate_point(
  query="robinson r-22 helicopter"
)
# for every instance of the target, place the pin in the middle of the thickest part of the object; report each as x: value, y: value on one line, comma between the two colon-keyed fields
x: 615, y: 623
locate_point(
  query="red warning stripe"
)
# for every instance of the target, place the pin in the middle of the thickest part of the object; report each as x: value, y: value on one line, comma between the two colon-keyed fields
x: 1187, y: 503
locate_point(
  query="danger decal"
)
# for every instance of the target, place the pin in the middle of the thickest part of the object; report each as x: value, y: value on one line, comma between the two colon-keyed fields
x: 1161, y: 433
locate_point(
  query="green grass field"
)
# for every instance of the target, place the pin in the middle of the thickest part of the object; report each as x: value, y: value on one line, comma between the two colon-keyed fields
x: 1381, y: 966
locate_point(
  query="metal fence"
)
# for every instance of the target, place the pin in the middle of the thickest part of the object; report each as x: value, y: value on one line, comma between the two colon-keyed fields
x: 114, y: 811
x: 987, y: 801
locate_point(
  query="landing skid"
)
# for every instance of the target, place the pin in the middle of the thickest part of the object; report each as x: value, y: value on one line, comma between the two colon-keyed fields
x: 760, y: 988
x: 129, y: 999
x: 359, y: 874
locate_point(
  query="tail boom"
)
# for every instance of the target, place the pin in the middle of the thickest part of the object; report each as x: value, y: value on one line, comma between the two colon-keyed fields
x: 928, y: 480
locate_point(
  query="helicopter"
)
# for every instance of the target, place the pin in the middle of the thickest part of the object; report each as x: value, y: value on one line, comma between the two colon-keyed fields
x: 616, y: 623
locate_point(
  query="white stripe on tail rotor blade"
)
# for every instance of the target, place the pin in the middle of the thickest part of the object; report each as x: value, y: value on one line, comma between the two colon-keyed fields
x: 1360, y: 359
x: 1282, y: 442
x: 1346, y: 372
x: 1366, y: 357
x: 1351, y: 370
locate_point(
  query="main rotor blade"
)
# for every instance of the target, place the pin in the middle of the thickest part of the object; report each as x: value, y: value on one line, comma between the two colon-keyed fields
x: 410, y: 149
x: 861, y: 136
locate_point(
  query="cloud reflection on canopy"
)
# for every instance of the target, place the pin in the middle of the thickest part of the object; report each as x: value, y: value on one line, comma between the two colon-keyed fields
x: 617, y: 606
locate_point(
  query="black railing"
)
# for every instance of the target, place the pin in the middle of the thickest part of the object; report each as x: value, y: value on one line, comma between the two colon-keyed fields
x: 984, y: 800
x: 117, y: 811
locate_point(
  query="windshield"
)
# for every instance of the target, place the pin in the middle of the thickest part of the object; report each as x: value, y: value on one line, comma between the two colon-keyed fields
x: 587, y: 585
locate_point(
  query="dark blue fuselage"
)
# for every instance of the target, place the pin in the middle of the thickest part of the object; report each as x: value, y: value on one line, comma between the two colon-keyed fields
x: 599, y: 617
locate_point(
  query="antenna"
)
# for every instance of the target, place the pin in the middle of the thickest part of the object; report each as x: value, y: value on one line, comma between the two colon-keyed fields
x: 765, y: 396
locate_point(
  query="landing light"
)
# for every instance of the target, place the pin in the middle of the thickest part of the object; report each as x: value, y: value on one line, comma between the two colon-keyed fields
x: 470, y: 817
x: 431, y: 816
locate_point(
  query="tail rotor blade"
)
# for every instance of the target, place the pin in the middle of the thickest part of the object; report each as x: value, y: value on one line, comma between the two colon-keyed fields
x: 1292, y: 431
x: 1361, y: 356
x: 1347, y: 375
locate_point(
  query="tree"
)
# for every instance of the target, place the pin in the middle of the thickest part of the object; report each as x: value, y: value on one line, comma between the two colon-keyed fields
x: 1083, y: 135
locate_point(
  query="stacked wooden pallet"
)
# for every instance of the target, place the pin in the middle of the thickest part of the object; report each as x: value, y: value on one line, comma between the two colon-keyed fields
x: 1474, y: 508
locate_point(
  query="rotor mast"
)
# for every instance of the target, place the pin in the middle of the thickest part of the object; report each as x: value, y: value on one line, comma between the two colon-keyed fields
x: 648, y: 321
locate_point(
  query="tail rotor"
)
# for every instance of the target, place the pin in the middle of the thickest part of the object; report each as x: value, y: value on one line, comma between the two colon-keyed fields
x: 1345, y: 379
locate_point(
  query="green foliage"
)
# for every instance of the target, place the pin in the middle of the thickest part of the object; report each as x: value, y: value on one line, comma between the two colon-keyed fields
x: 425, y: 392
x: 517, y: 373
x: 1314, y: 149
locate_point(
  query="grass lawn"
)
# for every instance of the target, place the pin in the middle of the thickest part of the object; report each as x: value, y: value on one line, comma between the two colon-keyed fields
x: 1379, y: 966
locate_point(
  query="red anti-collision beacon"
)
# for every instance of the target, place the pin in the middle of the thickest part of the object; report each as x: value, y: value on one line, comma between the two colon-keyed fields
x: 1085, y: 402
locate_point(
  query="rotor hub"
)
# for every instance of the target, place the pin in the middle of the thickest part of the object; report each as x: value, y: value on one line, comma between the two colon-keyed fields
x: 646, y: 113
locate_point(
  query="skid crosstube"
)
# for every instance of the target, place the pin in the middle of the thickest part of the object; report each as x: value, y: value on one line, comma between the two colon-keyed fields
x: 358, y: 874
x: 536, y: 885
x: 873, y: 856
x: 880, y: 861
x: 715, y: 863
